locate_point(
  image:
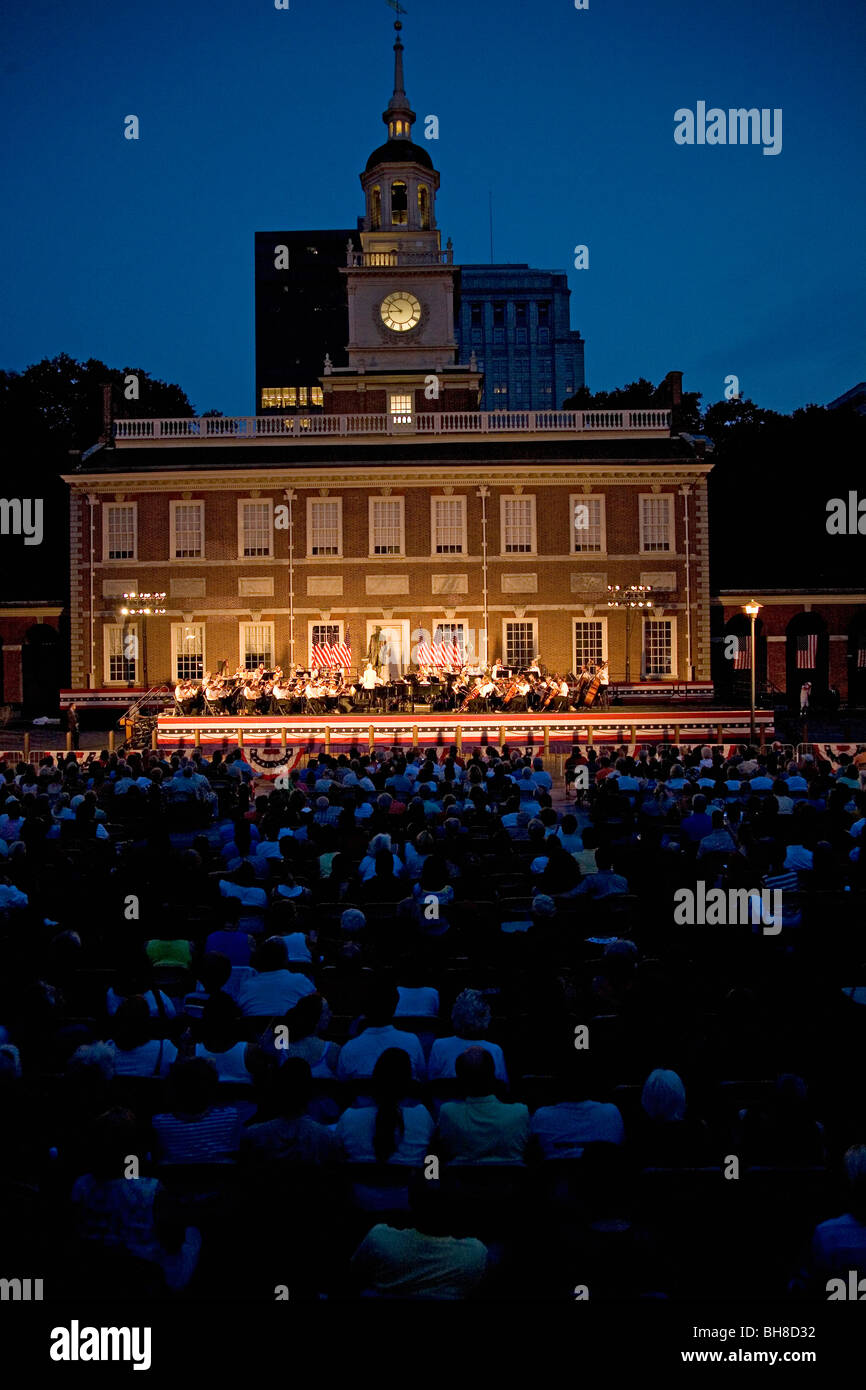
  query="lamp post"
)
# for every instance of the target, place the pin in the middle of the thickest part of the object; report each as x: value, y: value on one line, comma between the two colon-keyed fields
x: 146, y: 605
x: 631, y: 597
x: 484, y: 492
x: 752, y: 609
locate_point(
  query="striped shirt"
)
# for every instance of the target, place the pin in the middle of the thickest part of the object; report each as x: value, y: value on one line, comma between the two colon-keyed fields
x: 210, y: 1138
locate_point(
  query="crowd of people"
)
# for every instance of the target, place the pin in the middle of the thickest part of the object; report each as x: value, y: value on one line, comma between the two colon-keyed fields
x: 423, y: 1025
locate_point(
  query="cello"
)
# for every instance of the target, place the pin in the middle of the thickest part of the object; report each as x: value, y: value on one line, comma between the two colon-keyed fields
x: 592, y: 690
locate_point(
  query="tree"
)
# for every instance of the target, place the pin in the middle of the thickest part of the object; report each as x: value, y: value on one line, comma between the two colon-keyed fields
x: 641, y: 395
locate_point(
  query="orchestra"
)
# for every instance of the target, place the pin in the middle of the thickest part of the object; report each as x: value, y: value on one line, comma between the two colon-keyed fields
x: 470, y: 688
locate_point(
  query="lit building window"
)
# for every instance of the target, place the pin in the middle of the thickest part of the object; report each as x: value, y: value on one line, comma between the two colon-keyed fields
x: 401, y: 409
x: 423, y: 207
x: 316, y: 397
x: 375, y: 207
x: 386, y: 525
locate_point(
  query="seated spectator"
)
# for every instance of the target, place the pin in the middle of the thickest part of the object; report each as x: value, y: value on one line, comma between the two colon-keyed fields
x: 196, y: 1129
x: 273, y: 989
x: 292, y: 1136
x: 568, y: 834
x: 421, y: 1261
x: 481, y: 1129
x: 562, y: 1130
x: 431, y: 897
x: 134, y: 978
x: 367, y: 867
x: 306, y: 1022
x: 113, y: 1213
x: 136, y: 1053
x: 229, y: 940
x: 470, y: 1018
x: 669, y: 1137
x: 720, y: 839
x: 839, y: 1245
x: 358, y: 1057
x: 383, y: 886
x: 604, y: 883
x: 395, y: 1129
x: 784, y: 1132
x: 694, y: 827
x: 169, y: 951
x: 236, y: 1061
x: 417, y: 1000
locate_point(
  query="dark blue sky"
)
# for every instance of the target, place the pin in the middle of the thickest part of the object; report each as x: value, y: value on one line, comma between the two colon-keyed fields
x: 712, y: 260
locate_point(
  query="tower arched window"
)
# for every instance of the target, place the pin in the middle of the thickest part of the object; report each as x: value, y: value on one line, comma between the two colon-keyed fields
x: 423, y: 208
x: 375, y: 207
x: 399, y: 204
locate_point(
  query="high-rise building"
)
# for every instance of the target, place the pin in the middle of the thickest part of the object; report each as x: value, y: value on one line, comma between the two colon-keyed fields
x: 516, y: 321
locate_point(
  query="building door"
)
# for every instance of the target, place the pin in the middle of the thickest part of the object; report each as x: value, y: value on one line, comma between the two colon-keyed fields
x: 395, y: 653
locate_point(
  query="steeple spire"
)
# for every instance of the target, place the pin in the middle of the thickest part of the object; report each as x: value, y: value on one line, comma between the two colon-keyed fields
x: 399, y: 116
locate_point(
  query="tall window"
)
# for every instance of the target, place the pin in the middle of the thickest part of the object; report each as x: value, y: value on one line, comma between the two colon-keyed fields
x: 187, y: 645
x: 187, y: 530
x: 448, y: 525
x: 401, y: 409
x: 518, y: 525
x: 324, y: 526
x: 375, y: 208
x: 587, y: 524
x: 589, y: 641
x: 255, y: 528
x: 545, y: 380
x: 423, y: 208
x: 399, y: 204
x: 451, y: 635
x: 544, y: 323
x: 257, y: 645
x: 519, y: 642
x: 386, y: 525
x: 520, y: 321
x: 324, y: 635
x: 119, y: 536
x: 658, y: 647
x: 499, y: 323
x: 656, y: 522
x: 121, y: 652
x: 475, y: 316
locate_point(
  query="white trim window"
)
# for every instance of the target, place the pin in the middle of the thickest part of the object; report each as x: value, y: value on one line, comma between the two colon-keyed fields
x: 120, y: 653
x: 255, y: 527
x: 656, y: 522
x: 519, y: 641
x: 324, y: 526
x: 448, y: 633
x: 659, y: 660
x: 387, y: 526
x: 590, y: 642
x: 588, y: 527
x: 400, y: 407
x: 186, y: 526
x: 257, y: 645
x: 517, y: 520
x: 120, y: 531
x: 321, y: 634
x: 187, y: 651
x: 448, y: 525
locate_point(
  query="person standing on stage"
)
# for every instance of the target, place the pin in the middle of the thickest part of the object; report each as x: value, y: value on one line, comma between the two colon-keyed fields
x: 805, y: 692
x: 72, y: 726
x: 604, y: 685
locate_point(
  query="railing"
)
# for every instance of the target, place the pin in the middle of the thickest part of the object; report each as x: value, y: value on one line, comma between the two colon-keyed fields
x: 436, y: 423
x: 388, y: 258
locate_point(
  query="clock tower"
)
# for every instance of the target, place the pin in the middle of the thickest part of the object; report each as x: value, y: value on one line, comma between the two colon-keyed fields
x: 400, y: 283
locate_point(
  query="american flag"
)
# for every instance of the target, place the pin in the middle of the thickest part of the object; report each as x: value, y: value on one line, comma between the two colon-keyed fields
x: 743, y: 656
x: 807, y: 651
x: 332, y: 654
x: 861, y: 657
x: 439, y: 654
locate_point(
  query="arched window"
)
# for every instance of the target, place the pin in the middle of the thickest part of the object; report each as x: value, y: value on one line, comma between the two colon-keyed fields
x: 399, y: 205
x: 807, y: 658
x: 375, y: 208
x: 423, y: 207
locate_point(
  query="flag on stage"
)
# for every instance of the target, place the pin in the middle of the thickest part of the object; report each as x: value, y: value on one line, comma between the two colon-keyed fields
x: 807, y: 651
x: 440, y: 654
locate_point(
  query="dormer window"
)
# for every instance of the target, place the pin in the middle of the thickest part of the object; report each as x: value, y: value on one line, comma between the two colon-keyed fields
x: 423, y: 208
x: 375, y: 208
x: 399, y: 205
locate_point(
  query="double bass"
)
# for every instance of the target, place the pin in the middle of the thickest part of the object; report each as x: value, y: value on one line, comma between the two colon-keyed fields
x: 592, y: 689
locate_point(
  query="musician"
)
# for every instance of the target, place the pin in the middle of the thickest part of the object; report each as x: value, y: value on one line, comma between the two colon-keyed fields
x: 604, y: 685
x: 214, y: 691
x: 497, y: 670
x: 487, y: 690
x: 533, y: 669
x: 251, y: 694
x: 370, y: 679
x: 281, y: 693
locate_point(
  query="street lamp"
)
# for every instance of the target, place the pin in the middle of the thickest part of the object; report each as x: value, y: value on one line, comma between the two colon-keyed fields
x: 146, y: 605
x: 752, y: 609
x: 631, y: 597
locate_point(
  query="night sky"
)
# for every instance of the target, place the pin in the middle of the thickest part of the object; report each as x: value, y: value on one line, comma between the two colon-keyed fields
x: 711, y: 260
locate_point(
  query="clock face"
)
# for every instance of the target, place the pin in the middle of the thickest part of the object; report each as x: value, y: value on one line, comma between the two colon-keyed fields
x: 400, y: 311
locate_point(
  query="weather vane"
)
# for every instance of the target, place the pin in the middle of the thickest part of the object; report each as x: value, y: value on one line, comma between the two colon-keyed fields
x: 397, y: 7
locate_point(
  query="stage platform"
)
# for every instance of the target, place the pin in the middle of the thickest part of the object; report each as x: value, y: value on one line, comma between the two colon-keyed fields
x: 275, y: 735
